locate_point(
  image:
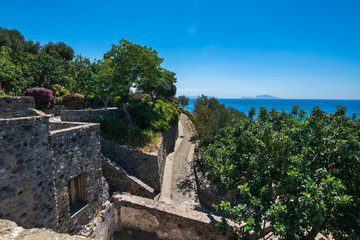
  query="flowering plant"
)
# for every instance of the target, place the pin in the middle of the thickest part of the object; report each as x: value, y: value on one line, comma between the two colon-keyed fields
x: 42, y: 96
x: 74, y: 100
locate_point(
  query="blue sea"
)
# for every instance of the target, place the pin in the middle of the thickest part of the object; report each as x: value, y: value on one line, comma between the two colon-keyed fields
x: 243, y: 105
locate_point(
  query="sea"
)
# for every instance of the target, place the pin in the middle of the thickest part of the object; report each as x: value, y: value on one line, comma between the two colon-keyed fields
x: 327, y: 105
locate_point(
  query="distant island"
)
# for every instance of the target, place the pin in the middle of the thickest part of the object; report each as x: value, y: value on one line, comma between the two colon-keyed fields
x: 261, y: 97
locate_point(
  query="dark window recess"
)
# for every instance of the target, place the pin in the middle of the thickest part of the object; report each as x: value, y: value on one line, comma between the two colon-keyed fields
x: 76, y: 194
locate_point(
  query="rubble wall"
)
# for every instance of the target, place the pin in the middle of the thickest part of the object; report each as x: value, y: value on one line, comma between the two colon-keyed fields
x: 77, y: 153
x: 26, y: 167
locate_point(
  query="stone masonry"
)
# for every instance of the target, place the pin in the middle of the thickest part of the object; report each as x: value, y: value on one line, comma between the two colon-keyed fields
x: 26, y: 187
x: 37, y: 162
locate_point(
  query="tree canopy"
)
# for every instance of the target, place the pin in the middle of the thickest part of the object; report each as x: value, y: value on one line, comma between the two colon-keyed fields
x: 299, y: 172
x: 183, y: 100
x: 65, y: 52
x: 210, y: 116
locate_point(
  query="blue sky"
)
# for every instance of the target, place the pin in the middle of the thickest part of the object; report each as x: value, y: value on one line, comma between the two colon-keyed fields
x: 226, y: 49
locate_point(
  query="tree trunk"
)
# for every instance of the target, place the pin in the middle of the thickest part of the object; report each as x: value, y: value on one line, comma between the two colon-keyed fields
x: 127, y: 114
x: 105, y: 101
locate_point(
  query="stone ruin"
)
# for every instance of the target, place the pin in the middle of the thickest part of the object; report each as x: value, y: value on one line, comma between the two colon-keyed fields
x: 58, y: 175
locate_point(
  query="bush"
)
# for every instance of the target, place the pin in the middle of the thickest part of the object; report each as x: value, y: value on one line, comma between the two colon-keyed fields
x: 57, y: 101
x: 74, y: 100
x: 42, y: 96
x: 59, y: 90
x: 165, y: 114
x: 158, y: 116
x: 141, y: 113
x: 123, y: 132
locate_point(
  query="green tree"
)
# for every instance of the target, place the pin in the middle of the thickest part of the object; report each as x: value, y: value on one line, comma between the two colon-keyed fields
x: 129, y: 64
x: 160, y: 86
x: 46, y: 69
x: 17, y: 43
x: 298, y: 172
x: 210, y: 116
x: 11, y: 76
x: 65, y: 51
x: 183, y: 100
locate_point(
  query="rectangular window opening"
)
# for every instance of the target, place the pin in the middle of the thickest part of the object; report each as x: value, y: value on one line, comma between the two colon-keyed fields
x: 76, y: 194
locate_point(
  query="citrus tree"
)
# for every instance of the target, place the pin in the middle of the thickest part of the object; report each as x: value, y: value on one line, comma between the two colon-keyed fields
x: 299, y: 172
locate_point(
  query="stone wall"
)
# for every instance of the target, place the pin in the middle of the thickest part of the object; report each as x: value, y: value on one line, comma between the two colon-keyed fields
x: 121, y: 181
x: 166, y: 146
x: 89, y: 115
x: 165, y: 221
x: 77, y: 152
x: 26, y: 188
x: 139, y: 163
x: 12, y: 107
x: 148, y: 167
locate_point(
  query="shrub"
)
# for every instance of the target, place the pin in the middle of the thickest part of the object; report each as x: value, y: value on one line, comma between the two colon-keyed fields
x: 123, y: 132
x: 59, y: 90
x: 146, y: 97
x: 165, y: 114
x: 74, y: 100
x: 42, y: 96
x: 57, y: 101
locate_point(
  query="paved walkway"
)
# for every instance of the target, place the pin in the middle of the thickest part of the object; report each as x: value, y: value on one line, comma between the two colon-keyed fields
x: 179, y: 185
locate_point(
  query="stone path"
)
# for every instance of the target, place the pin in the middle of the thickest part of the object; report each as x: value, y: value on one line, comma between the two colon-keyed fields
x: 179, y: 185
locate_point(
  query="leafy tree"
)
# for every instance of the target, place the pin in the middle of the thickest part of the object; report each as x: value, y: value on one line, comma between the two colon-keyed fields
x: 17, y: 43
x: 46, y: 69
x: 183, y: 100
x: 65, y: 51
x: 11, y: 75
x: 129, y: 63
x: 298, y: 172
x: 161, y: 86
x: 211, y: 116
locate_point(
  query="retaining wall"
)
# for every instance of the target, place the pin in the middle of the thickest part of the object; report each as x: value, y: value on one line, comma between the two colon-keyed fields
x: 148, y: 167
x: 121, y: 181
x: 12, y: 107
x: 165, y: 221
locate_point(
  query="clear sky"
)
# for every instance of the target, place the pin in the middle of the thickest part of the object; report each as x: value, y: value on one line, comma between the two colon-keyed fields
x: 226, y: 49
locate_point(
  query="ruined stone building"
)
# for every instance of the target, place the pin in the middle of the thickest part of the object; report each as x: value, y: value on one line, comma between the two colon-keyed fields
x: 50, y: 173
x: 58, y: 175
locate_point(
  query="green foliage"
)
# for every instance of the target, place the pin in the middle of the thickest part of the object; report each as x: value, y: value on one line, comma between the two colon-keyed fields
x: 183, y: 100
x: 123, y: 132
x: 59, y: 90
x: 161, y: 86
x: 300, y: 173
x: 2, y: 91
x: 62, y: 49
x: 132, y: 62
x: 188, y: 114
x: 166, y: 115
x: 45, y: 69
x: 210, y: 116
x: 11, y: 75
x: 16, y: 42
x: 158, y: 116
